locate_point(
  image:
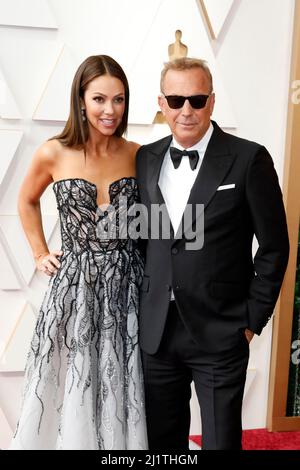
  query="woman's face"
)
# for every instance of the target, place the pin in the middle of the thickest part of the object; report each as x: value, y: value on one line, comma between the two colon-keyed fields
x: 104, y: 104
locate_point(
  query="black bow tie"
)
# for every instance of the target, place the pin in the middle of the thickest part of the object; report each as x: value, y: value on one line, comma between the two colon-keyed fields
x: 176, y: 156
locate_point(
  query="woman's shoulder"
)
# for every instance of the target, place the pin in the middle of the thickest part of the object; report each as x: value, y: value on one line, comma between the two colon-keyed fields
x: 49, y: 150
x: 49, y: 155
x: 130, y: 146
x: 52, y: 150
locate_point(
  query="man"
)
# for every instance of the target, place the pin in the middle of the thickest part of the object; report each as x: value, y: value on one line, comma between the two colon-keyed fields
x: 221, y: 295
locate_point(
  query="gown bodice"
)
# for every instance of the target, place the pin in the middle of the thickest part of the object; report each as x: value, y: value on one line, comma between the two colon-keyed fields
x: 85, y: 225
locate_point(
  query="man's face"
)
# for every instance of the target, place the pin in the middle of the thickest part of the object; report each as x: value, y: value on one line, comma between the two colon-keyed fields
x: 188, y: 125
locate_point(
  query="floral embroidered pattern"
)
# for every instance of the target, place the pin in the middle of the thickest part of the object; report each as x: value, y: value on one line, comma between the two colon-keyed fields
x: 84, y: 384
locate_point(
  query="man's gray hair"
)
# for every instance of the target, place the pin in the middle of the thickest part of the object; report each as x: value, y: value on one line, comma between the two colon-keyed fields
x: 186, y: 63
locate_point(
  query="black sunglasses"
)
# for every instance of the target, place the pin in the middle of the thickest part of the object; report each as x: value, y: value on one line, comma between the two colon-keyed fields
x: 196, y: 101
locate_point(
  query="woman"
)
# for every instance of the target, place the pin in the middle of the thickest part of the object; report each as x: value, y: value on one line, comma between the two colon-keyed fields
x: 84, y: 387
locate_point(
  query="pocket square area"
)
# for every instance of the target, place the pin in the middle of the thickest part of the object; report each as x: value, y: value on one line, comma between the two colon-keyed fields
x: 226, y: 186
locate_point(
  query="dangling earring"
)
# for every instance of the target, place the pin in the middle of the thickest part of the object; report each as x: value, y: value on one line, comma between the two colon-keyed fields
x: 83, y: 116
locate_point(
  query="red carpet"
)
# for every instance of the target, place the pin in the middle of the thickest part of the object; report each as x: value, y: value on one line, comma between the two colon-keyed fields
x: 261, y: 439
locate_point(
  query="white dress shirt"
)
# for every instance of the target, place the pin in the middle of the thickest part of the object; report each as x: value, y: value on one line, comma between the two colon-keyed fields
x: 176, y: 184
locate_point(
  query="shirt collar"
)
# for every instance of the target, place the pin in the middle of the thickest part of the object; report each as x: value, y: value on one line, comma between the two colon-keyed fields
x: 199, y: 146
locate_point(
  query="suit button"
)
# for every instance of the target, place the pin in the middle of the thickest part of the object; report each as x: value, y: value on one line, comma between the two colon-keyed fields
x: 177, y: 288
x: 174, y: 251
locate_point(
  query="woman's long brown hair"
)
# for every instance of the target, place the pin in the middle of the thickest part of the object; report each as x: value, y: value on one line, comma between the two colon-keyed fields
x: 75, y: 132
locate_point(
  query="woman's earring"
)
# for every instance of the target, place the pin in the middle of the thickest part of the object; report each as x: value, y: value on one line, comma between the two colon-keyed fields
x: 83, y: 116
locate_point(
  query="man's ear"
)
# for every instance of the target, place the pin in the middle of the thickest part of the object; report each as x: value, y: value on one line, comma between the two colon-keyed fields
x: 162, y: 103
x: 212, y: 103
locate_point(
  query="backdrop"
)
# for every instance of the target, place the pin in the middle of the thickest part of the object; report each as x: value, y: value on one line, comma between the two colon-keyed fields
x: 247, y: 44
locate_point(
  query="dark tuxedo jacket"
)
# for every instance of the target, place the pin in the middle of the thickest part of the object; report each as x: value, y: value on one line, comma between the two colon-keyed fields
x: 219, y: 289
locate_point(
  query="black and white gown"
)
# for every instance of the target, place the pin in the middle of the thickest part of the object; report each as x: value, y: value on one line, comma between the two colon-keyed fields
x: 84, y: 383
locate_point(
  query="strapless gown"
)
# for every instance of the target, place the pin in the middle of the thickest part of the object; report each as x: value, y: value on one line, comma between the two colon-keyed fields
x: 84, y: 382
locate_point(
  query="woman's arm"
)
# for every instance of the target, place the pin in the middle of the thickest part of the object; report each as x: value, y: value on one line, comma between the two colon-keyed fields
x: 38, y: 177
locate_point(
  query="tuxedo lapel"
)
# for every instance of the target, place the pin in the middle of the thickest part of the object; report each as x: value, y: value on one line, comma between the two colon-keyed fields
x: 154, y: 163
x: 216, y: 163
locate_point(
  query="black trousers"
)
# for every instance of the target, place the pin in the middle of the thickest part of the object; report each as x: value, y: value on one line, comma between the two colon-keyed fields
x: 219, y: 382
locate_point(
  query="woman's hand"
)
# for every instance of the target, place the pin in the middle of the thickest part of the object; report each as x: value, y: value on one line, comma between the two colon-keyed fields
x: 48, y: 262
x: 249, y: 335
